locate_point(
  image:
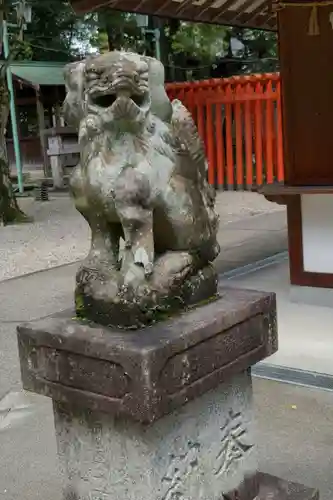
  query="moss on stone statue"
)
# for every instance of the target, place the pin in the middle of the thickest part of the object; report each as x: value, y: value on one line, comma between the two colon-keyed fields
x: 126, y: 313
x: 169, y: 308
x: 79, y: 305
x: 205, y: 302
x: 173, y: 307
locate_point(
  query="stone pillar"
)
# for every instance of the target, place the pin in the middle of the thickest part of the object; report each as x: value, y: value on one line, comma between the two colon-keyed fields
x: 163, y: 413
x: 199, y: 448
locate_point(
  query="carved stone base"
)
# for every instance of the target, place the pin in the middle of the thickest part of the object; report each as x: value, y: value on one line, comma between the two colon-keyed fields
x: 201, y: 451
x: 149, y: 373
x: 163, y: 413
x: 151, y: 300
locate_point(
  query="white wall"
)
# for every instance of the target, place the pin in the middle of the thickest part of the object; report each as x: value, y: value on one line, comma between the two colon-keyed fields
x: 317, y: 230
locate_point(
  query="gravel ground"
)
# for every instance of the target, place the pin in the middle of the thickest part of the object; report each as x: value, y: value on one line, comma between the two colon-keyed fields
x: 60, y: 235
x: 233, y: 206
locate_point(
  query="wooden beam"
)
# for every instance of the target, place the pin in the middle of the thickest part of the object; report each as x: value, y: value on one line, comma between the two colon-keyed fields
x: 25, y: 101
x: 208, y: 11
x: 83, y: 6
x: 219, y: 12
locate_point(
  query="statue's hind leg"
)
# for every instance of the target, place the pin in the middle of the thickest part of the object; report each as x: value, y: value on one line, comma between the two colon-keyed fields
x: 103, y: 256
x: 104, y: 249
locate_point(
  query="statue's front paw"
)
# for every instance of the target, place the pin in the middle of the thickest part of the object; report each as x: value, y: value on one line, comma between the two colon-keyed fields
x: 170, y: 269
x: 133, y: 276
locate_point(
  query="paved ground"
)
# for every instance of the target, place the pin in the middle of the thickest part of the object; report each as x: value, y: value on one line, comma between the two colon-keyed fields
x: 305, y: 331
x: 250, y: 239
x: 250, y: 227
x: 295, y: 439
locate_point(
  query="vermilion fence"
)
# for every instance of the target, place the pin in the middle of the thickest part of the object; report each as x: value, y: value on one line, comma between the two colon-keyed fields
x: 239, y: 120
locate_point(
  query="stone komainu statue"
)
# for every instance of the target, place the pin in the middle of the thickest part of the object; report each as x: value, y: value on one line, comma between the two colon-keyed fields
x: 142, y: 180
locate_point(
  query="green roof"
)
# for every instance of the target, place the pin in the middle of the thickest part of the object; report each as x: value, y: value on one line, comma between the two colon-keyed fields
x: 39, y: 73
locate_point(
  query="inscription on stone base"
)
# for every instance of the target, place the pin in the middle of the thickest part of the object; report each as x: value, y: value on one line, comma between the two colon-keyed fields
x: 201, y: 451
x: 233, y: 443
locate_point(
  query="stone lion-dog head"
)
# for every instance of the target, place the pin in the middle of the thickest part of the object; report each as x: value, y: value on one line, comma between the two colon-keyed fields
x: 110, y: 91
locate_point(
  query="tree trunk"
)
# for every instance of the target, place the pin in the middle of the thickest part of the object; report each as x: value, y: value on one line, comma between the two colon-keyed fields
x: 9, y: 209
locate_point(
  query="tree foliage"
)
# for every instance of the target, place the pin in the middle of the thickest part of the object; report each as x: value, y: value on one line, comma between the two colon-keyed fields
x: 202, y: 41
x: 195, y: 48
x: 260, y: 53
x: 115, y: 30
x: 54, y: 34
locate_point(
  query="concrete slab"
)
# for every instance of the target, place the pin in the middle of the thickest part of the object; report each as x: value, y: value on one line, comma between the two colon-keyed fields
x: 29, y: 466
x: 229, y: 236
x: 296, y: 434
x: 262, y: 222
x: 24, y: 299
x: 10, y: 377
x: 257, y: 246
x: 37, y: 295
x: 305, y: 331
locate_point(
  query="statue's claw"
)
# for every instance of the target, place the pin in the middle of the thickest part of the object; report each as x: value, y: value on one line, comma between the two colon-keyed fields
x: 149, y: 269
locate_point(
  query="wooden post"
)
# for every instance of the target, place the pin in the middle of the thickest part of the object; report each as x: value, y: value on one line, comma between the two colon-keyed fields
x: 41, y: 126
x: 54, y: 151
x: 57, y: 109
x: 307, y: 109
x: 50, y: 113
x: 307, y: 99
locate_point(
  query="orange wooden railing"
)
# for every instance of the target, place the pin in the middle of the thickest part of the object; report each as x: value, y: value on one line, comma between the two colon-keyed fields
x: 239, y: 120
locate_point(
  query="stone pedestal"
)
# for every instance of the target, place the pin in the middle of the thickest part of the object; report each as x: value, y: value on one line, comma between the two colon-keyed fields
x: 191, y: 453
x: 164, y: 413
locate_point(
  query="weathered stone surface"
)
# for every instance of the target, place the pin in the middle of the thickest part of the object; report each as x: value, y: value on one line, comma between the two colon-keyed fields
x: 142, y: 178
x: 201, y: 451
x: 247, y: 490
x: 149, y: 375
x: 274, y: 488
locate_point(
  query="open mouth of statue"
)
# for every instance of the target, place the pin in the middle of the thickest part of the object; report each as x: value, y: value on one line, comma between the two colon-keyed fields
x: 107, y: 100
